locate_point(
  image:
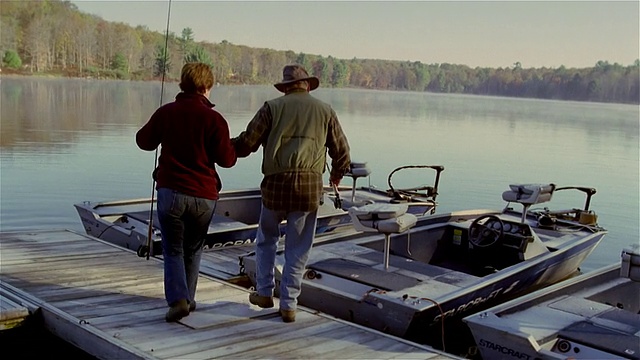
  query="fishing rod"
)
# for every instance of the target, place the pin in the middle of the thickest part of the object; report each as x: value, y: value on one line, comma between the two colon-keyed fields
x: 155, y: 162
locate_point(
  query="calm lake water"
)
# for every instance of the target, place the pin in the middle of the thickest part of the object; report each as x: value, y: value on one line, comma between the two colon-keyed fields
x: 67, y: 141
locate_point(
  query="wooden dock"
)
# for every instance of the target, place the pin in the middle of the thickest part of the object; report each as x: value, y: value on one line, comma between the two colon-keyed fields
x: 110, y: 303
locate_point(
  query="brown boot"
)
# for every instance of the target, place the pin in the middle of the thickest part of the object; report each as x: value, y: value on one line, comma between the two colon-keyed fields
x: 288, y: 316
x: 177, y: 311
x: 262, y: 301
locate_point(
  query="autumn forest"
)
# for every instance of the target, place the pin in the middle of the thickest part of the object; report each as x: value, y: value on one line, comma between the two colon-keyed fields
x: 52, y: 37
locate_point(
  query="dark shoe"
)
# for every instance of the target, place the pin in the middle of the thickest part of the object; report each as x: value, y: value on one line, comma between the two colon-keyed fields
x: 262, y: 301
x: 288, y: 316
x: 192, y: 306
x: 177, y: 311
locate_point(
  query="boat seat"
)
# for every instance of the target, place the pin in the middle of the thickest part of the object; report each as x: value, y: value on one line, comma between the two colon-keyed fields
x: 383, y: 218
x: 357, y: 170
x: 528, y: 194
x: 630, y: 267
x: 218, y: 222
x: 349, y: 203
x: 143, y: 217
x: 225, y: 223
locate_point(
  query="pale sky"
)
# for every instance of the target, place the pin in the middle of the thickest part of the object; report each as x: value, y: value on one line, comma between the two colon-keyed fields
x: 475, y: 33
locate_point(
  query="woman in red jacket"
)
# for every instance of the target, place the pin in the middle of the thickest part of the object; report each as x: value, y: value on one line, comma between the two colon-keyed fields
x: 194, y: 138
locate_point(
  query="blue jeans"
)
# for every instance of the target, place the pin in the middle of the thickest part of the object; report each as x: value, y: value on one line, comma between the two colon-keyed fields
x: 299, y: 235
x: 184, y: 222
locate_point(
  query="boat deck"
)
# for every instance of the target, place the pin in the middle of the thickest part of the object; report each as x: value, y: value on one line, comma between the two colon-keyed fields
x: 350, y: 260
x: 602, y: 315
x: 108, y: 302
x: 224, y: 263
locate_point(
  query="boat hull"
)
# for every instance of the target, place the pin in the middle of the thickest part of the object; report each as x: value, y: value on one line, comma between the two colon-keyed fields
x: 421, y: 292
x: 235, y: 222
x: 411, y: 317
x: 591, y: 316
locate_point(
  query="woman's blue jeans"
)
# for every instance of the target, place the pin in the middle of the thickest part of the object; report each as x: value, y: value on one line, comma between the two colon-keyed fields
x: 184, y: 222
x: 299, y: 235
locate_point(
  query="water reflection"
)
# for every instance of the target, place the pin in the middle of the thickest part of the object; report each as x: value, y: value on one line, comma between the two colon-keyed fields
x: 54, y: 111
x: 69, y: 140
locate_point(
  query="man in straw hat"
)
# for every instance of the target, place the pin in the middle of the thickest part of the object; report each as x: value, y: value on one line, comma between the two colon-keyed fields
x: 295, y: 131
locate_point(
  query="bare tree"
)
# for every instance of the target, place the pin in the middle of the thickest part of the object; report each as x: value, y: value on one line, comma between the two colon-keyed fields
x: 37, y: 38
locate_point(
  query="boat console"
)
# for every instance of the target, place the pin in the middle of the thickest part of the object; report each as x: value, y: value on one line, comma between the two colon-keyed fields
x: 483, y: 245
x: 502, y: 243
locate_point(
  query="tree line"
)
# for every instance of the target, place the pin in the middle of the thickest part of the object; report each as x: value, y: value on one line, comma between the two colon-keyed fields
x: 54, y: 37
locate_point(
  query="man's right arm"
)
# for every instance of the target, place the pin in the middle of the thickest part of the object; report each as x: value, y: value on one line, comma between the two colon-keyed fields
x: 339, y: 150
x: 249, y: 141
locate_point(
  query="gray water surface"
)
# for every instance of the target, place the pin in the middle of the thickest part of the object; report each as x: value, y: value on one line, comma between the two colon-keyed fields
x: 66, y: 141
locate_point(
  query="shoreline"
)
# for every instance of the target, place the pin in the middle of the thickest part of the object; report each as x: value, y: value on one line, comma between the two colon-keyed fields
x: 17, y: 74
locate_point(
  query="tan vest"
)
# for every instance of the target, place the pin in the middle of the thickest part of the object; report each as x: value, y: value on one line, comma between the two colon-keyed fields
x: 298, y: 134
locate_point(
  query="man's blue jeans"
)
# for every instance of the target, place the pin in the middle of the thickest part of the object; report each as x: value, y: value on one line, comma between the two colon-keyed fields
x: 184, y: 222
x: 299, y: 235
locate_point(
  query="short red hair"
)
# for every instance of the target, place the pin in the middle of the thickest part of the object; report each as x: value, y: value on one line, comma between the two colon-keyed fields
x: 196, y: 78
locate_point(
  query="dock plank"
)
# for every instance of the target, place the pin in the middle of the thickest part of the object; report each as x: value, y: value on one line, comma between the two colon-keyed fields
x: 272, y: 330
x: 110, y: 303
x: 315, y: 344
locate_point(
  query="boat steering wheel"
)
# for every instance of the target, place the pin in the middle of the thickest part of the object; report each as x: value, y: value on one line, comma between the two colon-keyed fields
x: 486, y: 231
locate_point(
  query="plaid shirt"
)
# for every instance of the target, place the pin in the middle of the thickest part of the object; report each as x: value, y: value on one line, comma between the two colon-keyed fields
x: 293, y: 191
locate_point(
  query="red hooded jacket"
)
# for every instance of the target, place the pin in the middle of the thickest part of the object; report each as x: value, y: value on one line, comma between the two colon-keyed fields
x: 193, y: 138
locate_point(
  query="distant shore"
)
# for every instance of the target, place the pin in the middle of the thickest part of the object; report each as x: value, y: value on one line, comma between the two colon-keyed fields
x: 77, y: 75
